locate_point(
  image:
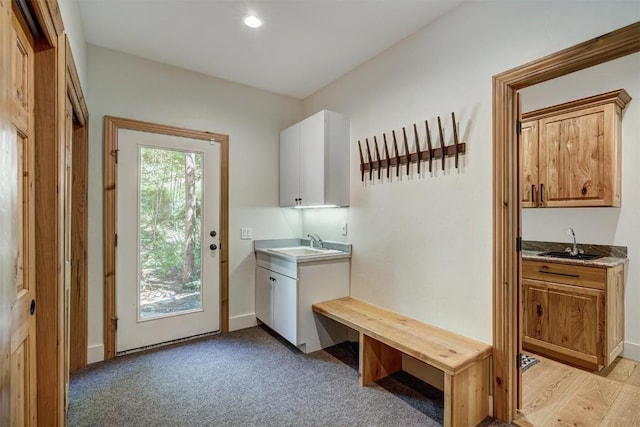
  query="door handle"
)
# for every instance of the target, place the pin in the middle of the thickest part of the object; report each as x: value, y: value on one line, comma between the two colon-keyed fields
x: 213, y: 233
x: 541, y: 193
x: 213, y: 246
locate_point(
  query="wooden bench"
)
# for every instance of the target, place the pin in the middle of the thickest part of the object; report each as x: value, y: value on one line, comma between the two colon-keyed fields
x: 385, y: 335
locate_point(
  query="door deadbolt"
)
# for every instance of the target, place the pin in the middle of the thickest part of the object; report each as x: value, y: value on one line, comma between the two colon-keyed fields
x: 213, y: 233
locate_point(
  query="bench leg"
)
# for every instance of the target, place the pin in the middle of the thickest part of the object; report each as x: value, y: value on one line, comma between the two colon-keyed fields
x: 466, y: 395
x: 377, y: 360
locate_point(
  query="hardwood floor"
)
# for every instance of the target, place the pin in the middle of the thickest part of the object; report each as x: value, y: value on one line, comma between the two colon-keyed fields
x: 559, y: 395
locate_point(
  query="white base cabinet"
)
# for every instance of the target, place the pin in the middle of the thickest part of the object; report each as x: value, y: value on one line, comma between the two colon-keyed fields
x: 285, y: 291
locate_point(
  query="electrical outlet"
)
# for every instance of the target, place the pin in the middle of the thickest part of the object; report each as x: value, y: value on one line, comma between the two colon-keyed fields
x: 343, y: 229
x: 246, y: 233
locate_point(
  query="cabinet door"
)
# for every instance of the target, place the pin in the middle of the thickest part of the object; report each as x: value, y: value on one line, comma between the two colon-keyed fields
x: 572, y: 158
x: 529, y: 163
x: 312, y: 160
x: 290, y: 166
x: 575, y: 319
x: 285, y: 307
x: 536, y: 310
x: 264, y: 303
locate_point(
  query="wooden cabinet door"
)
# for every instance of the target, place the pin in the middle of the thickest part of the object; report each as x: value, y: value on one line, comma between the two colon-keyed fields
x: 572, y: 158
x: 264, y: 302
x: 536, y: 310
x: 23, y: 323
x: 290, y: 166
x: 575, y: 320
x: 285, y: 307
x: 529, y: 163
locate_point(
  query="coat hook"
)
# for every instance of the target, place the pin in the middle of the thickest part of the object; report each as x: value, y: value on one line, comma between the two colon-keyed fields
x: 426, y: 125
x: 386, y: 153
x: 455, y: 135
x: 361, y: 162
x: 406, y: 149
x: 441, y: 141
x: 370, y: 160
x: 415, y: 134
x: 395, y: 145
x: 375, y: 143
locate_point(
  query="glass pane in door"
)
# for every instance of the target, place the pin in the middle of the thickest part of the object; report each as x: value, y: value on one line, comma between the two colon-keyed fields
x: 170, y: 205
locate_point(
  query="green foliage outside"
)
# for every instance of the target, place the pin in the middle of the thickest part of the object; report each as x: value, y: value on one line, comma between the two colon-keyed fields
x: 170, y: 182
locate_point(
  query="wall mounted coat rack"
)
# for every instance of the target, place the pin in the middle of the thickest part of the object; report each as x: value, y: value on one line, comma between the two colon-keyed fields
x: 426, y: 154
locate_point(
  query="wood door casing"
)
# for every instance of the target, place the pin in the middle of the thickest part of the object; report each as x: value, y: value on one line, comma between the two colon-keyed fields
x: 23, y: 323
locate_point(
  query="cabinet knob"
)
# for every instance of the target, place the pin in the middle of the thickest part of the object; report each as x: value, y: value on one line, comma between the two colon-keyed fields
x: 584, y: 190
x: 539, y: 310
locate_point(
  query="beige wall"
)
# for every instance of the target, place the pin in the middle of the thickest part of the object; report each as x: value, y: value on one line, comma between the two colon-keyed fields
x: 126, y: 86
x: 423, y: 245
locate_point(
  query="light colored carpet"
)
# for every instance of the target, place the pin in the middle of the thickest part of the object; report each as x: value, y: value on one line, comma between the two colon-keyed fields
x: 245, y: 378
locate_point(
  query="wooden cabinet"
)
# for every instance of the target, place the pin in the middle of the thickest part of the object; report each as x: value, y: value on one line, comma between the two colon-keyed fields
x: 573, y: 313
x: 570, y: 154
x: 314, y: 161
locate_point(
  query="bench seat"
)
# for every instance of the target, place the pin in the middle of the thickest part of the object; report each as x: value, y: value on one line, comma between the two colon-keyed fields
x: 386, y: 335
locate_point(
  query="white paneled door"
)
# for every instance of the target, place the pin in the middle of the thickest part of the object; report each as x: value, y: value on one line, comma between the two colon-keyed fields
x: 168, y: 218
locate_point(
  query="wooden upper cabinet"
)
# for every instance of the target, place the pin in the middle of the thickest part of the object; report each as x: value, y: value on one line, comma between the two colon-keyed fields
x: 529, y: 164
x: 571, y: 153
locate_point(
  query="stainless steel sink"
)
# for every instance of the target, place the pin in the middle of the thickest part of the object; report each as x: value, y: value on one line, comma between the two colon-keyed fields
x: 567, y: 255
x: 305, y: 251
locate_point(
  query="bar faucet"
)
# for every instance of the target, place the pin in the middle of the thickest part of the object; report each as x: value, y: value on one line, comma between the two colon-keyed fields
x: 315, y: 238
x: 573, y: 251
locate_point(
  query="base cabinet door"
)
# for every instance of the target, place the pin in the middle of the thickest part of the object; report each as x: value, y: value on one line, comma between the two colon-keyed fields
x: 575, y: 319
x: 264, y: 303
x: 536, y: 310
x: 285, y: 307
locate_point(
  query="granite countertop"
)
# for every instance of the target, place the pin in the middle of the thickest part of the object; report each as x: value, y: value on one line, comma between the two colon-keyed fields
x: 604, y: 262
x: 266, y: 246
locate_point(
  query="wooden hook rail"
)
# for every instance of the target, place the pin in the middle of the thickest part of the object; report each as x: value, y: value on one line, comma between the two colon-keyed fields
x: 426, y: 154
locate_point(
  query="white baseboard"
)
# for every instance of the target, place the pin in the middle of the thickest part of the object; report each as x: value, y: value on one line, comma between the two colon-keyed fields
x: 243, y: 321
x: 631, y: 351
x: 95, y: 353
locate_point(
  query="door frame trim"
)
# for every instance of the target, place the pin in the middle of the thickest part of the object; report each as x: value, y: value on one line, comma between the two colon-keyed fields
x: 110, y: 151
x: 506, y: 200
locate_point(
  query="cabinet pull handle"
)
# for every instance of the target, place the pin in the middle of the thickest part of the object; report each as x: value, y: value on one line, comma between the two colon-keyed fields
x: 558, y: 274
x: 541, y: 193
x: 533, y: 194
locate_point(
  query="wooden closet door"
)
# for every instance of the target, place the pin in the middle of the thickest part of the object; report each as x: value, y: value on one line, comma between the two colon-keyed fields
x: 529, y: 164
x: 23, y: 326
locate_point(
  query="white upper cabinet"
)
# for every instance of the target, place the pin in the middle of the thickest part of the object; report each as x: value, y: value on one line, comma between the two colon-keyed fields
x: 314, y: 161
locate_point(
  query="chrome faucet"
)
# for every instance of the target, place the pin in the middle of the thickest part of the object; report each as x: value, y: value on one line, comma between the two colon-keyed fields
x: 573, y: 251
x: 315, y: 238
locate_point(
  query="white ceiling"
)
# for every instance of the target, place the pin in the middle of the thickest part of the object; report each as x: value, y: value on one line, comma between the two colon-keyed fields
x: 302, y: 46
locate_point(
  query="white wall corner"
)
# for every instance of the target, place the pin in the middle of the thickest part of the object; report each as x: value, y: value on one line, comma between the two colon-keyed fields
x: 631, y: 351
x: 242, y: 321
x: 95, y: 353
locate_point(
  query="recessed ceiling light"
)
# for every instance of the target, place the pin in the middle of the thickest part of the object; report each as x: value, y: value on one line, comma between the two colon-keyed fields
x: 252, y: 21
